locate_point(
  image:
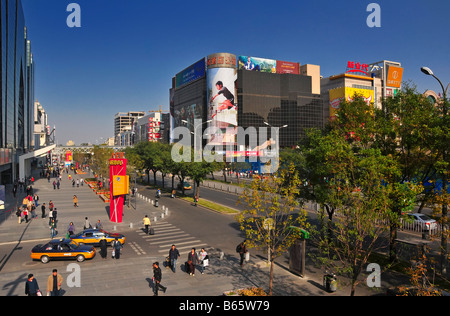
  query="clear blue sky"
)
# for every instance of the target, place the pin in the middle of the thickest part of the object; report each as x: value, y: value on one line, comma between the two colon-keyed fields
x: 126, y: 52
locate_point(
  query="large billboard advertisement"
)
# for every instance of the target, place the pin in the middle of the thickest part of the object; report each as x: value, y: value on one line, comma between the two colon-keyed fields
x: 268, y: 65
x: 346, y: 93
x: 257, y: 64
x: 222, y: 100
x: 192, y: 73
x: 287, y: 67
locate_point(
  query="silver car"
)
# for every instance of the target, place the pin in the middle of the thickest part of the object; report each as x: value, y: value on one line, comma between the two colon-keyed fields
x: 424, y: 221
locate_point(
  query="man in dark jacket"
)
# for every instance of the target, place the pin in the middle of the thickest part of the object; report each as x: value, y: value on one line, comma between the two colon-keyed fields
x: 31, y: 286
x: 173, y: 257
x: 157, y: 276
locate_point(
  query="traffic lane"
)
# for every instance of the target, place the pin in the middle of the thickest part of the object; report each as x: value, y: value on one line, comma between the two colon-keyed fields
x: 221, y: 197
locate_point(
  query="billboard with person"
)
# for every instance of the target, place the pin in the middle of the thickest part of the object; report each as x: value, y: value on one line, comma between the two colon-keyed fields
x: 222, y: 101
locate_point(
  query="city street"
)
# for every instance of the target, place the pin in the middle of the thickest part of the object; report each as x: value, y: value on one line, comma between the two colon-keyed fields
x: 186, y: 226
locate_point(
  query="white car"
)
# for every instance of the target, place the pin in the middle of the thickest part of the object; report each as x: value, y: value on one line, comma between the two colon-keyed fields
x: 426, y: 222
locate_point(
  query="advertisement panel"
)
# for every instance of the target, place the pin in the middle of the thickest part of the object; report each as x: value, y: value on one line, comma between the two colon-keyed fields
x: 117, y: 167
x: 394, y: 78
x: 257, y: 64
x: 221, y: 95
x: 287, y: 67
x: 192, y: 73
x: 348, y: 93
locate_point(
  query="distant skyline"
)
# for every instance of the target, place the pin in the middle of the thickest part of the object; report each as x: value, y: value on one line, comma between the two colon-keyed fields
x: 124, y: 55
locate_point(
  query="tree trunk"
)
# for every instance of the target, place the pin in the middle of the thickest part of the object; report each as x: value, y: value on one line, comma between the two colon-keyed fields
x: 272, y: 263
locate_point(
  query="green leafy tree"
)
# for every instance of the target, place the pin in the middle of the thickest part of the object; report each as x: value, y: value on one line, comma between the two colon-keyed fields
x: 271, y: 209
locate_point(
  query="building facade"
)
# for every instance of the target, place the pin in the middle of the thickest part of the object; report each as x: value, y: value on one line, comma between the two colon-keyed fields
x: 123, y: 122
x: 16, y: 89
x: 226, y: 91
x: 374, y: 82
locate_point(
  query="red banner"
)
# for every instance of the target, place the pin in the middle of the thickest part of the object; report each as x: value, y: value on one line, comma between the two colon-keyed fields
x: 117, y: 167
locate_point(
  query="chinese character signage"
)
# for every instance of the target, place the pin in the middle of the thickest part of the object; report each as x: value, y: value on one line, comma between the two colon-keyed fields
x: 117, y: 170
x: 357, y: 68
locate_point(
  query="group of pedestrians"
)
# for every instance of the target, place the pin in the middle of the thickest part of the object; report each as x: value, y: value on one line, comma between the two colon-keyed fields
x: 54, y: 282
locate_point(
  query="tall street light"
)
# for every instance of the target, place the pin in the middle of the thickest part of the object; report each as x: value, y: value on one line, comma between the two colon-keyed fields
x: 444, y: 254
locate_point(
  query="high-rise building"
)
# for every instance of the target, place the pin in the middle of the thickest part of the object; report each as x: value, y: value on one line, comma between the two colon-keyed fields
x: 16, y: 90
x: 226, y: 91
x: 123, y: 122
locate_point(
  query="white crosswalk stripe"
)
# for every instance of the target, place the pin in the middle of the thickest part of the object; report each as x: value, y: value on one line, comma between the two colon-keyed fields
x: 167, y: 235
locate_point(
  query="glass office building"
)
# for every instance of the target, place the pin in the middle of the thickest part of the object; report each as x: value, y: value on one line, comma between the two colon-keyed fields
x: 16, y: 89
x: 264, y: 93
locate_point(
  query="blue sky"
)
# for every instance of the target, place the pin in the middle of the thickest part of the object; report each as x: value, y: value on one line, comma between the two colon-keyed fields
x: 125, y: 53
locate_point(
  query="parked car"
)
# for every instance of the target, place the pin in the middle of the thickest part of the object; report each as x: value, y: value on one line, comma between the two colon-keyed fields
x: 93, y: 236
x: 424, y: 221
x: 62, y: 249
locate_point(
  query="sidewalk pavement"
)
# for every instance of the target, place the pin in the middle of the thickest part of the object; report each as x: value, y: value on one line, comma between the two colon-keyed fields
x: 107, y: 277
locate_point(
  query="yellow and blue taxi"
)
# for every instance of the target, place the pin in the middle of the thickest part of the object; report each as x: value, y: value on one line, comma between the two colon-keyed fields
x: 58, y: 249
x: 93, y: 236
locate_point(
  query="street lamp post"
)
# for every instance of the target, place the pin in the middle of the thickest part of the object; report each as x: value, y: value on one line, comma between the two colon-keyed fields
x: 429, y: 72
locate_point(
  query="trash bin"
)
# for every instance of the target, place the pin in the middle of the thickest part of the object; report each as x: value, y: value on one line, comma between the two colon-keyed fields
x: 330, y: 282
x: 156, y: 203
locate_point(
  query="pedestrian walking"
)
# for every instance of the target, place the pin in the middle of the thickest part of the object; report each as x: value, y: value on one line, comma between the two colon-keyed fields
x: 54, y: 185
x: 174, y: 254
x: 58, y: 184
x: 147, y: 223
x: 25, y: 214
x: 103, y: 248
x: 31, y: 286
x: 50, y: 205
x: 36, y: 199
x: 43, y: 210
x: 75, y: 201
x: 117, y: 246
x: 192, y: 261
x: 19, y: 213
x: 78, y: 183
x: 157, y: 276
x: 53, y: 231
x: 54, y: 282
x: 242, y: 250
x: 71, y: 229
x: 98, y: 225
x: 55, y: 215
x: 87, y: 223
x: 204, y: 260
x: 195, y: 200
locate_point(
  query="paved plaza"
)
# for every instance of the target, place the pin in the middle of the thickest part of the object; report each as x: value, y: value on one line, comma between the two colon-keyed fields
x: 131, y: 275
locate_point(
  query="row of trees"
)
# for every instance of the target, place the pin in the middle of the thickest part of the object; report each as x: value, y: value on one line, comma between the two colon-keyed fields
x: 370, y: 166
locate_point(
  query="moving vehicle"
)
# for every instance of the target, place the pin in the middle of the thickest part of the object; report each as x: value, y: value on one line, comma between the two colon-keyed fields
x: 93, y: 236
x: 62, y: 249
x: 186, y: 186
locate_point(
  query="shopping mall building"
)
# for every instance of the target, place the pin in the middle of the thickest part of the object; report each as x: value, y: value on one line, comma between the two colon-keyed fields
x: 373, y: 81
x: 227, y: 91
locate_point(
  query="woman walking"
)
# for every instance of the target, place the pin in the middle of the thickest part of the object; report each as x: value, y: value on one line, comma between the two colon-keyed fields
x: 70, y: 229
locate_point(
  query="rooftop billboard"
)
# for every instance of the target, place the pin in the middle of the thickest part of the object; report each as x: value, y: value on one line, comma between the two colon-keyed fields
x: 191, y: 73
x: 268, y: 65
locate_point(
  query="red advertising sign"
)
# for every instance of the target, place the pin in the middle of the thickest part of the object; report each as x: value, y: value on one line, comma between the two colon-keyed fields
x: 361, y: 69
x: 117, y: 167
x: 286, y: 67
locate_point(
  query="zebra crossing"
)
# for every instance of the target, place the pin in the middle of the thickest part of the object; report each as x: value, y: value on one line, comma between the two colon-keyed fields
x: 167, y: 235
